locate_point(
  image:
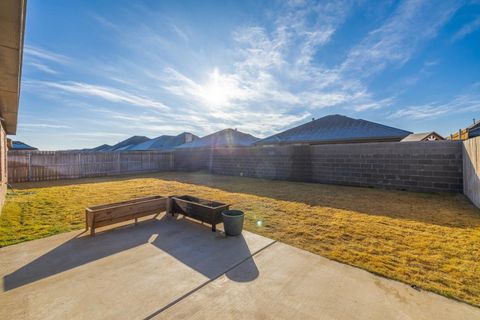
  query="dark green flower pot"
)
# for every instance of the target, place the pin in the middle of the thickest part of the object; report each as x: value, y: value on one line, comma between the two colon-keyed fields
x: 233, y: 222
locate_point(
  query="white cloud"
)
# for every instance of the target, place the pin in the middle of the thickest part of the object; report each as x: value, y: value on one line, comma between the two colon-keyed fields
x: 467, y: 102
x: 470, y: 27
x: 106, y: 93
x: 269, y: 80
x: 42, y: 67
x: 413, y: 23
x: 428, y: 111
x: 44, y: 125
x: 96, y: 134
x: 267, y: 64
x: 36, y: 52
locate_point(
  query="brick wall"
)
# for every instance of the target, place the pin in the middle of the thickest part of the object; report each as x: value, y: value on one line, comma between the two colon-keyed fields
x: 415, y: 166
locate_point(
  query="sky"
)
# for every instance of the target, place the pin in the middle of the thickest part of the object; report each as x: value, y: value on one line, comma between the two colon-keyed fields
x: 98, y: 72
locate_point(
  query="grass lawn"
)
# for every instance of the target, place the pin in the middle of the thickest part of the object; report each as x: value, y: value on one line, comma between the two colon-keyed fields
x: 428, y: 240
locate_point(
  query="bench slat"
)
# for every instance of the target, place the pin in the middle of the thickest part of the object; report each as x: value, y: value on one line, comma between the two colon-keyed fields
x: 126, y: 218
x: 106, y: 214
x: 128, y: 209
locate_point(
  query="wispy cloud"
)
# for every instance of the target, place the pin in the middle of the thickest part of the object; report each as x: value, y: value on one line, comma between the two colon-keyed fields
x: 275, y: 73
x: 400, y: 36
x: 42, y: 67
x: 104, y: 21
x: 263, y: 76
x: 45, y: 125
x: 106, y: 93
x: 267, y: 62
x: 429, y: 111
x: 96, y: 134
x: 44, y: 60
x: 470, y: 27
x: 467, y: 102
x: 37, y: 52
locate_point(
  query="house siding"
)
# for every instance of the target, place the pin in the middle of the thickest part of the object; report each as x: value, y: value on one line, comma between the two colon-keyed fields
x: 3, y: 165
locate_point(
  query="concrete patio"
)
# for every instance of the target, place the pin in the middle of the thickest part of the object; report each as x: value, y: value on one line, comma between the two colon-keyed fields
x: 172, y: 268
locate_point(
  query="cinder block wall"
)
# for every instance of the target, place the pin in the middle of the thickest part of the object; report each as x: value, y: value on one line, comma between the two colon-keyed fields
x: 192, y: 159
x: 415, y: 166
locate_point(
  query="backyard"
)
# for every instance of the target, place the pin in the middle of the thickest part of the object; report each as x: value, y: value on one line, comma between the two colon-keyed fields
x: 431, y: 241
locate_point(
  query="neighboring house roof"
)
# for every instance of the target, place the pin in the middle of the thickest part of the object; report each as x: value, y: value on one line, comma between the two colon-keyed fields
x: 223, y: 138
x: 122, y: 145
x: 19, y: 145
x: 423, y: 136
x: 336, y: 129
x: 165, y: 142
x: 12, y: 26
x: 103, y: 147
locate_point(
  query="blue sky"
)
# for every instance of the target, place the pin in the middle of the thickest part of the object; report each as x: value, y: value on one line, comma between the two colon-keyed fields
x: 98, y: 72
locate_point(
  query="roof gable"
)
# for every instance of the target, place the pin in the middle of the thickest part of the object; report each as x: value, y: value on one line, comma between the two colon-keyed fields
x: 422, y: 136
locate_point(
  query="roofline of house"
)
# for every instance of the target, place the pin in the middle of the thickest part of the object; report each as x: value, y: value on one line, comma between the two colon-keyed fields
x: 335, y: 141
x: 13, y: 57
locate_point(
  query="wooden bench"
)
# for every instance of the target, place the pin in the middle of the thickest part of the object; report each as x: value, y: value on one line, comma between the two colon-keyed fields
x: 107, y: 214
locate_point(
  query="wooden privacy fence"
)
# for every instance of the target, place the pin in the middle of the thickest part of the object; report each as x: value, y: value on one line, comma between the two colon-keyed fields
x: 26, y: 166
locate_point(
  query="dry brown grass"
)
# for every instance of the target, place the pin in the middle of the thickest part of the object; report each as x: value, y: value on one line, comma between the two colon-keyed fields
x: 428, y: 240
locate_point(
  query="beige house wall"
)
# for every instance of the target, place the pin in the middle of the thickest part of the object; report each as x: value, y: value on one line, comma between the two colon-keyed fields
x: 3, y: 165
x: 471, y: 170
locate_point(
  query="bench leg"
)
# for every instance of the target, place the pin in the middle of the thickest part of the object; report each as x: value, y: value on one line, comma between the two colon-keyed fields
x: 91, y: 223
x: 214, y: 227
x: 86, y: 221
x: 136, y: 221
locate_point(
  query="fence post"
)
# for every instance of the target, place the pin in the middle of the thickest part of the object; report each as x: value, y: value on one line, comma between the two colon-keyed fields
x: 29, y: 166
x: 118, y: 163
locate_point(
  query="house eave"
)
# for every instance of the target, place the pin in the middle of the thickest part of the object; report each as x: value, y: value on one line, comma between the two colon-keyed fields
x: 12, y: 30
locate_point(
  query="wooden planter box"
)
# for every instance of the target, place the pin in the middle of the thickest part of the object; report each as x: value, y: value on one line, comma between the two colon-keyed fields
x: 200, y: 209
x: 106, y: 214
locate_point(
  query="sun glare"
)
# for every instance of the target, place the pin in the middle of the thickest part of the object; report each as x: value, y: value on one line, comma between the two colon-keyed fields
x: 219, y: 89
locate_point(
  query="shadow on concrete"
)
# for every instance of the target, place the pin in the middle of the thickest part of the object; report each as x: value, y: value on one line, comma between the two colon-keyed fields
x: 210, y: 254
x: 79, y: 251
x: 191, y: 243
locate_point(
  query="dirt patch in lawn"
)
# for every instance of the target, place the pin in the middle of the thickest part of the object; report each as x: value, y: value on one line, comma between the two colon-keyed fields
x: 431, y: 241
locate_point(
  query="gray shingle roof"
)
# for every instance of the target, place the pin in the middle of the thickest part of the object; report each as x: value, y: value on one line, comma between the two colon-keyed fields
x: 165, y: 142
x: 223, y: 138
x: 19, y: 145
x: 127, y: 143
x: 336, y: 129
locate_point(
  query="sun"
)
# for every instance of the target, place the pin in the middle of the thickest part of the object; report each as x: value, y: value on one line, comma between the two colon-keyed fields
x: 219, y: 89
